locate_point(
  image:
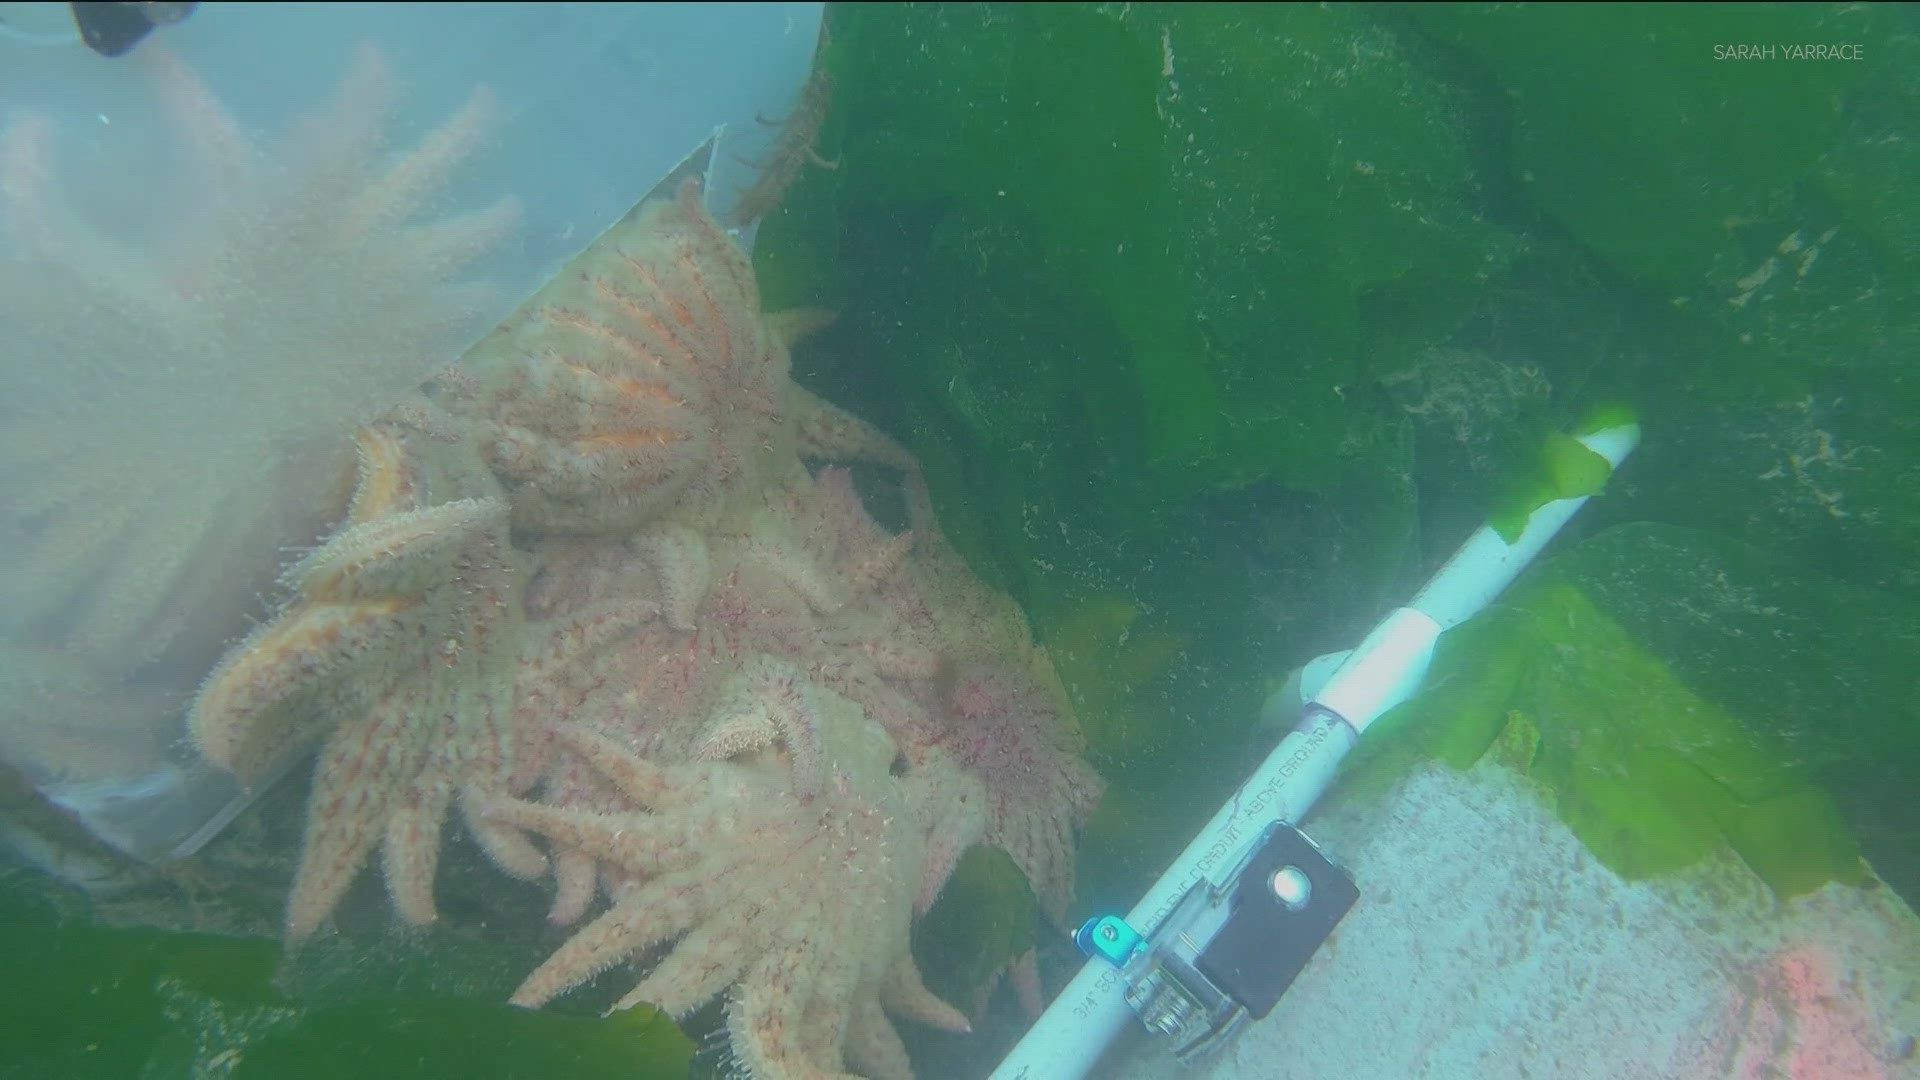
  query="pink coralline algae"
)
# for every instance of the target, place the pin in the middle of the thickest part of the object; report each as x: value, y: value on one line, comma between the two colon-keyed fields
x: 606, y: 590
x: 1794, y: 1018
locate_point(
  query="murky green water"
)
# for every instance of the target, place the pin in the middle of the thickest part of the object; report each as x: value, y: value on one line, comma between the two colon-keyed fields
x: 1216, y: 328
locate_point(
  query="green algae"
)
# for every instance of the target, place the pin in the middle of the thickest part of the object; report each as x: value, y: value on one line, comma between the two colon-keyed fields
x: 980, y: 923
x: 1152, y: 169
x: 1566, y: 469
x: 1631, y: 131
x: 121, y: 1002
x: 1243, y: 317
x: 1638, y: 739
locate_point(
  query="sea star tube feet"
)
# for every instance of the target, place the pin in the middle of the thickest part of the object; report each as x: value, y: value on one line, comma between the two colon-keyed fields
x: 799, y: 901
x: 397, y: 650
x: 760, y: 724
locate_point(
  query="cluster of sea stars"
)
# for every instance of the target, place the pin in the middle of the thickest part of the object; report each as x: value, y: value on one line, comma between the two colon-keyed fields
x: 605, y: 586
x: 181, y: 371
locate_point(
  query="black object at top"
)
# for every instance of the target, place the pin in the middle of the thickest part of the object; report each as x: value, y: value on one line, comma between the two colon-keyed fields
x: 113, y: 29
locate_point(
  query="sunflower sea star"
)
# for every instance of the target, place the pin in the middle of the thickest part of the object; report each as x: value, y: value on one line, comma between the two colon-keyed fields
x: 1039, y: 790
x: 641, y: 380
x: 798, y: 891
x: 399, y: 650
x: 591, y: 589
x: 285, y: 292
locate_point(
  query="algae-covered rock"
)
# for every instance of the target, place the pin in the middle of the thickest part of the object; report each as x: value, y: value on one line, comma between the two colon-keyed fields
x: 1641, y: 132
x: 1160, y: 222
x: 1240, y: 317
x: 1676, y: 693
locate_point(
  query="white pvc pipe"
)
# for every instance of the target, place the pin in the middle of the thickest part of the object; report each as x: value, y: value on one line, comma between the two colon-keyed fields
x: 1076, y: 1028
x: 1381, y: 672
x: 1486, y: 564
